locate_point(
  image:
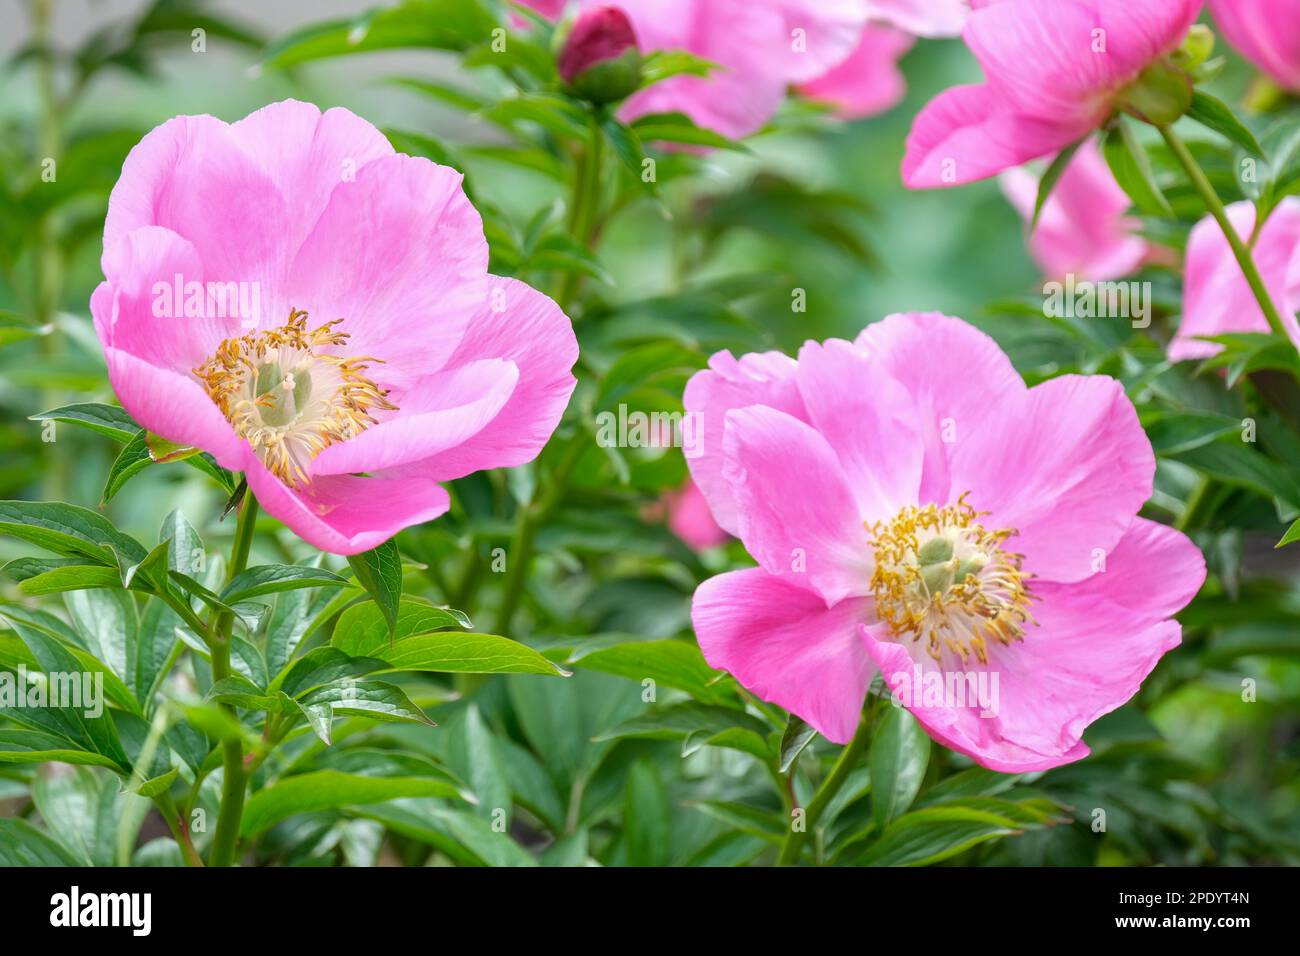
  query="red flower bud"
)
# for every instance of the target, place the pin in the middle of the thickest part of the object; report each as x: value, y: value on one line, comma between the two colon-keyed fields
x: 600, y: 60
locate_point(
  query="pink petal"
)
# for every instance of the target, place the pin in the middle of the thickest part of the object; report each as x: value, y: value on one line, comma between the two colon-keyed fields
x: 970, y: 132
x: 954, y: 375
x: 347, y: 514
x: 766, y: 378
x: 1082, y: 229
x: 786, y: 647
x: 307, y: 154
x: 1066, y: 464
x: 869, y: 420
x: 869, y: 81
x: 966, y: 729
x: 1217, y: 299
x: 444, y: 410
x: 174, y: 406
x: 520, y: 325
x: 138, y: 309
x: 1096, y: 641
x: 830, y: 30
x: 192, y: 176
x: 399, y: 255
x: 797, y: 514
x: 1267, y: 32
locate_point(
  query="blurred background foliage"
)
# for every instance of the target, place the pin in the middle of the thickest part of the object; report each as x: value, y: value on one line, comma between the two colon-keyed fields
x: 595, y: 767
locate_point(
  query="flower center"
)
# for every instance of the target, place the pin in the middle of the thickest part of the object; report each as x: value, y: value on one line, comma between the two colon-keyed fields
x: 287, y: 398
x: 942, y: 577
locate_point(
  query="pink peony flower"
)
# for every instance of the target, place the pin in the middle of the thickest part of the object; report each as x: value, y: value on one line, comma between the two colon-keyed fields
x: 379, y: 358
x: 1082, y: 230
x: 922, y: 18
x: 915, y: 509
x: 1216, y: 297
x: 1054, y: 69
x: 869, y: 81
x: 690, y: 519
x: 1267, y: 32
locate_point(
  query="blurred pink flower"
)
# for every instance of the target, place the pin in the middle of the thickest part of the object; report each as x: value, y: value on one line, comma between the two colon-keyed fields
x: 1082, y: 230
x: 922, y: 18
x: 1053, y: 68
x: 690, y: 519
x: 379, y: 344
x: 760, y: 49
x: 915, y: 509
x: 869, y: 81
x: 1267, y: 32
x: 1216, y: 298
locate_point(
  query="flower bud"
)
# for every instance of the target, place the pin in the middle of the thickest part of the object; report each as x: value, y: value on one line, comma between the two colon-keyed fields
x: 600, y: 61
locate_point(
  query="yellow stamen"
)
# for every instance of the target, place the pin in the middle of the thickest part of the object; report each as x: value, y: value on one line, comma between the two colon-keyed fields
x: 288, y: 397
x: 941, y: 576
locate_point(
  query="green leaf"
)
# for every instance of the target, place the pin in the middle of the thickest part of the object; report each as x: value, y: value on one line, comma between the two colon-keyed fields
x: 680, y: 128
x: 186, y: 553
x: 900, y: 752
x: 692, y: 719
x: 673, y: 663
x: 379, y: 571
x: 131, y: 460
x: 21, y: 844
x: 104, y: 419
x: 466, y: 838
x: 474, y: 755
x: 416, y: 645
x: 20, y: 745
x: 1292, y: 534
x: 1132, y: 169
x: 798, y: 735
x: 417, y: 24
x: 68, y: 530
x: 659, y: 65
x: 366, y: 698
x: 328, y: 790
x: 81, y: 809
x: 55, y: 575
x: 934, y: 834
x: 272, y: 578
x: 1216, y: 115
x: 109, y: 627
x: 647, y: 822
x: 1051, y: 177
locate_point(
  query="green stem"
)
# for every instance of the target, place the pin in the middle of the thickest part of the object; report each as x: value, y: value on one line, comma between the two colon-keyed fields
x: 586, y: 204
x: 179, y: 827
x: 1215, y: 206
x: 49, y: 257
x: 527, y: 521
x: 1196, y: 503
x: 845, y: 765
x: 235, y: 779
